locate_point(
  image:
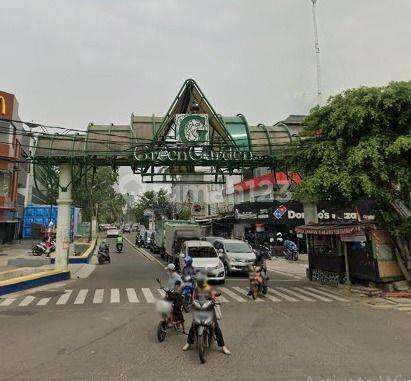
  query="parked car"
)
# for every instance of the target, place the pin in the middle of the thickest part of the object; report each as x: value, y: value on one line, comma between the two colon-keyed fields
x: 236, y: 255
x: 205, y: 258
x: 112, y: 232
x: 127, y: 228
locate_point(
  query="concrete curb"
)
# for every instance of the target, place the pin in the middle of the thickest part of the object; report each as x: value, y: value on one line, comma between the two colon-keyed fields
x: 32, y: 280
x: 84, y: 258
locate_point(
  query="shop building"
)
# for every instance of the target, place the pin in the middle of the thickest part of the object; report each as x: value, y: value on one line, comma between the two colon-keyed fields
x: 14, y: 144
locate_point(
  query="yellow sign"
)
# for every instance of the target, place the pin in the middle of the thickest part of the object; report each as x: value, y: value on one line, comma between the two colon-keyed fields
x: 2, y: 106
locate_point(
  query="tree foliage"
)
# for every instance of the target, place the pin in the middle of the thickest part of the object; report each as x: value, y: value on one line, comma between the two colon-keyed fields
x: 97, y: 191
x: 157, y: 201
x: 357, y: 146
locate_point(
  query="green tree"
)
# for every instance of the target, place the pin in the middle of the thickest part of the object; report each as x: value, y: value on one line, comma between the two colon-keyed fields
x: 356, y: 147
x: 96, y: 191
x: 157, y: 201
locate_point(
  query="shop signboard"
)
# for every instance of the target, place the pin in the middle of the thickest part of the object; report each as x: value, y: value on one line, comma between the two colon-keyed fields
x: 359, y: 237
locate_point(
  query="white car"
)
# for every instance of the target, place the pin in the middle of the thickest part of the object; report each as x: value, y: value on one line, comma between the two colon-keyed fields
x: 112, y: 232
x: 205, y: 258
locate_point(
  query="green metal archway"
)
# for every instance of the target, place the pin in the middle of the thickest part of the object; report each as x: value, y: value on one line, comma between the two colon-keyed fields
x: 152, y: 147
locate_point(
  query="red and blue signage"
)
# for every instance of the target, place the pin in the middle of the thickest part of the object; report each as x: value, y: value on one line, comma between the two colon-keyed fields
x: 279, y: 212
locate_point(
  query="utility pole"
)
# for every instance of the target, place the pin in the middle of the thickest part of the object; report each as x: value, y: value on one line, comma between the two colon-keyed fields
x: 317, y: 52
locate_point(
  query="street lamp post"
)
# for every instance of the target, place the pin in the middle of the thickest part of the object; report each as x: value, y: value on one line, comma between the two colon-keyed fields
x: 317, y: 52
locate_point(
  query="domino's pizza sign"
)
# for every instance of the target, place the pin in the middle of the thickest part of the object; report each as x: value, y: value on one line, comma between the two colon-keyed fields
x: 279, y: 212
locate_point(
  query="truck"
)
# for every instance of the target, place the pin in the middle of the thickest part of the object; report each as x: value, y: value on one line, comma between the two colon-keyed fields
x: 171, y: 233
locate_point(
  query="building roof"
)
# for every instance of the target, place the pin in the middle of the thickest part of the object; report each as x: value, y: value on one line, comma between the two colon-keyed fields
x: 294, y: 119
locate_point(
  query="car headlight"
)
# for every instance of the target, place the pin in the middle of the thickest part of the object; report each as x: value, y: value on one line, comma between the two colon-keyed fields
x: 232, y: 259
x: 220, y: 265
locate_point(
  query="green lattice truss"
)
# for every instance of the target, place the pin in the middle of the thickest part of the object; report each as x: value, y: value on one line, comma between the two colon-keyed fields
x: 140, y: 143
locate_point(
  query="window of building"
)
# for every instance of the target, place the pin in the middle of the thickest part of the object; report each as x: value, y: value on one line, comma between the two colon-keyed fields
x: 5, y: 177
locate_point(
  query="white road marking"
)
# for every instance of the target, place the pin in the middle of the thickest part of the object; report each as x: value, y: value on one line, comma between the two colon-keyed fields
x: 244, y: 292
x: 98, y: 296
x: 7, y: 302
x: 328, y: 294
x: 232, y: 294
x: 161, y: 292
x: 404, y: 308
x: 272, y: 298
x: 296, y: 294
x: 132, y: 296
x: 221, y: 299
x: 64, y: 298
x: 81, y: 296
x: 281, y: 295
x: 43, y: 301
x: 115, y: 295
x: 27, y: 300
x: 148, y: 295
x: 316, y: 296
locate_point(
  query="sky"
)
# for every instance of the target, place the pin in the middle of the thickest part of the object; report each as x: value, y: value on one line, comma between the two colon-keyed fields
x: 79, y: 61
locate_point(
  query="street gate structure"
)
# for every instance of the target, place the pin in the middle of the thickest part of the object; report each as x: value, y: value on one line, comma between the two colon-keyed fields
x: 192, y: 143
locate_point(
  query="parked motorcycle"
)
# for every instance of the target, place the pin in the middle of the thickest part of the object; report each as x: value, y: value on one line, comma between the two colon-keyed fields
x: 119, y: 247
x: 290, y: 250
x: 44, y: 247
x: 291, y: 255
x: 257, y: 285
x: 187, y: 293
x: 203, y: 321
x: 103, y: 256
x: 165, y: 309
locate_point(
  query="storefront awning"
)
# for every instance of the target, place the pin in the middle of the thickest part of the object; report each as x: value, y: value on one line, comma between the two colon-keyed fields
x: 342, y: 229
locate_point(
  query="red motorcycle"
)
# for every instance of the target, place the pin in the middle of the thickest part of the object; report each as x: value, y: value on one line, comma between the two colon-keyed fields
x: 165, y: 308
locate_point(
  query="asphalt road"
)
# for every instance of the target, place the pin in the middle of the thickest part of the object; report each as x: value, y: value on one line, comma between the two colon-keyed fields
x: 103, y: 328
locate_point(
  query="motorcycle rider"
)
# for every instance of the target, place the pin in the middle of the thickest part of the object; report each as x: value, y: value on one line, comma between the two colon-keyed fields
x: 188, y: 269
x: 104, y: 246
x: 174, y: 284
x: 260, y: 262
x: 203, y: 290
x: 119, y: 241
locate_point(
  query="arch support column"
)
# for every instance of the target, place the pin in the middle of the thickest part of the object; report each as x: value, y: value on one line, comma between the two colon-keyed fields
x: 64, y: 202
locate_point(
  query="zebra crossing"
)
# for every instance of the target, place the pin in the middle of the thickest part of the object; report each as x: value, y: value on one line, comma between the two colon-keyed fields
x: 116, y: 296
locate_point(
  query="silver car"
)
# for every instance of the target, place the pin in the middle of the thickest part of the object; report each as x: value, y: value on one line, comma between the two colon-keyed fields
x: 236, y: 255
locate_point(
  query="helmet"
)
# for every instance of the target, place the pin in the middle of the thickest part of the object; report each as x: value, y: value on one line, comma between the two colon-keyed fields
x: 201, y: 279
x: 279, y: 234
x: 188, y: 260
x: 170, y: 267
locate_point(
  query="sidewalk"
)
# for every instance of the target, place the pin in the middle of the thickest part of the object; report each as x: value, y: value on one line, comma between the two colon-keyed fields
x: 292, y: 269
x: 19, y: 249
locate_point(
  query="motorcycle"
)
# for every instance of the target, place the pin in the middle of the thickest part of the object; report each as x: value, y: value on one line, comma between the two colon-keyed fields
x: 119, y: 247
x: 257, y: 284
x: 203, y: 321
x: 187, y: 293
x: 165, y: 309
x: 103, y: 256
x: 290, y: 254
x: 265, y: 251
x: 44, y: 247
